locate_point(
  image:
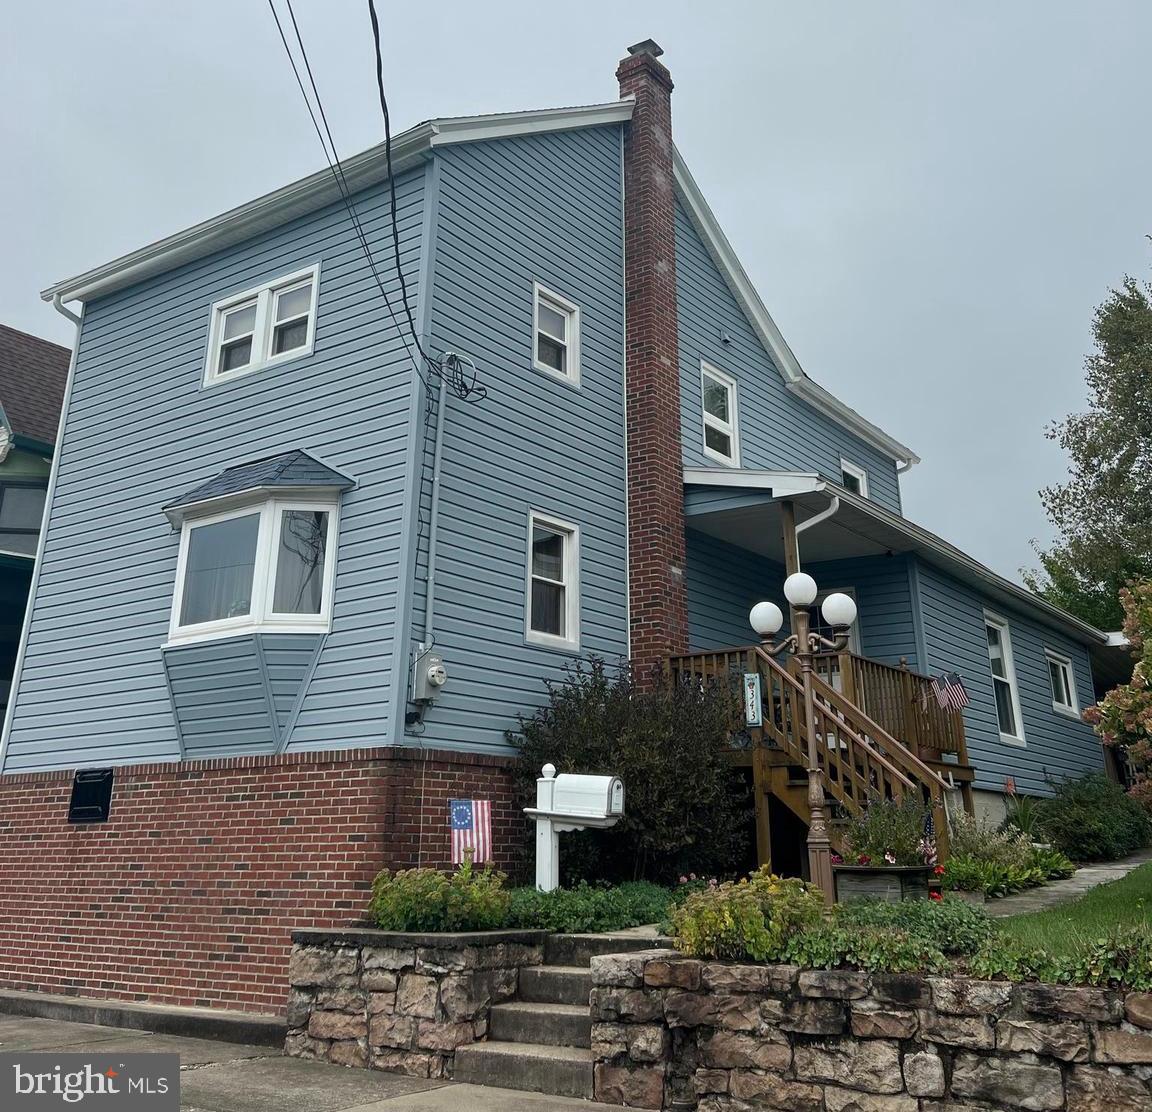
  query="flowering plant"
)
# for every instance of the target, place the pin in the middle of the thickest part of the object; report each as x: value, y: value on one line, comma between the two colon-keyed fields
x: 891, y: 832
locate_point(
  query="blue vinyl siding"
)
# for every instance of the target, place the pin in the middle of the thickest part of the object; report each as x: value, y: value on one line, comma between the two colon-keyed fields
x: 778, y: 430
x: 1056, y: 744
x: 543, y: 208
x: 141, y: 430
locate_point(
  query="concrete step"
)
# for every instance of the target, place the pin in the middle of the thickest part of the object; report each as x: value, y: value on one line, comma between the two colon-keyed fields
x: 555, y: 984
x: 548, y: 1024
x: 561, y: 1071
x: 579, y: 949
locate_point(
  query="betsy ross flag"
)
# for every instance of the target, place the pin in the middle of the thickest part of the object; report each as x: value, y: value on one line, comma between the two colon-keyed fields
x: 950, y: 692
x: 471, y: 823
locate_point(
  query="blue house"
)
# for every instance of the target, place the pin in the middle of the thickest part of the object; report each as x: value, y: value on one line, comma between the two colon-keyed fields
x: 276, y: 528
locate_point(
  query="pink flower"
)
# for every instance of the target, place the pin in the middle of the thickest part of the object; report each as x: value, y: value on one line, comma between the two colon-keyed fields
x: 683, y: 880
x: 890, y: 858
x: 935, y: 894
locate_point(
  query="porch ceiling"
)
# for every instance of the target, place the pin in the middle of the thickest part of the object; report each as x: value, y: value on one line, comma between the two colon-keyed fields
x: 742, y: 508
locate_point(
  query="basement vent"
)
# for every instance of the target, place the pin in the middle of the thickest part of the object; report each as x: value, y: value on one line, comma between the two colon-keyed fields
x: 91, y: 795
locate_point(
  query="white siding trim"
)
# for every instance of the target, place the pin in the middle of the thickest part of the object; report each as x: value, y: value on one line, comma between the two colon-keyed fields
x: 571, y: 642
x: 1064, y: 662
x: 731, y: 427
x: 1001, y: 625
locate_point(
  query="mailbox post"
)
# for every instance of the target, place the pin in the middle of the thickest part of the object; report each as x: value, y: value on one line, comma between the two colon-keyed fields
x: 570, y: 802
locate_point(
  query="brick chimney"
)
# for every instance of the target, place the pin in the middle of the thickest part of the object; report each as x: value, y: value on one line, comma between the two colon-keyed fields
x: 658, y: 604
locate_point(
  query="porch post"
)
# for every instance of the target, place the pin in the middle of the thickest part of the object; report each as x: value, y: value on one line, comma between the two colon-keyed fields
x: 819, y: 844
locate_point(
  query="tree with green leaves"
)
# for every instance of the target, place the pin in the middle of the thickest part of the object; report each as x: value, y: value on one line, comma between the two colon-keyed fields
x: 1104, y: 511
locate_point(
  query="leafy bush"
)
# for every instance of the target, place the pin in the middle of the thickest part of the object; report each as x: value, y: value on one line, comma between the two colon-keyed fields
x: 687, y: 809
x: 889, y: 832
x: 1020, y: 814
x: 950, y: 926
x: 979, y: 840
x: 430, y: 900
x: 1124, y: 959
x: 871, y: 948
x: 751, y: 918
x: 997, y: 878
x: 1006, y: 958
x: 1090, y: 818
x: 1052, y: 863
x: 587, y: 909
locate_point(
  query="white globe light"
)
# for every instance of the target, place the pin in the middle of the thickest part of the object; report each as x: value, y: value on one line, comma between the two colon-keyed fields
x: 800, y: 589
x: 839, y: 610
x: 766, y: 618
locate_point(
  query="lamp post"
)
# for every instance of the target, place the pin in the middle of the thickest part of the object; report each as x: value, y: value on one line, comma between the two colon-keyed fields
x: 766, y: 618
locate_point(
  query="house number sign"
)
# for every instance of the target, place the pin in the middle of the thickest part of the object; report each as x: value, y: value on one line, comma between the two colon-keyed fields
x: 753, y: 712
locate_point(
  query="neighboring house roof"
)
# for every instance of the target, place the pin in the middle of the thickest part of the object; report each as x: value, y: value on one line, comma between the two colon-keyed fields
x: 867, y: 528
x: 33, y: 373
x: 410, y: 148
x: 294, y: 470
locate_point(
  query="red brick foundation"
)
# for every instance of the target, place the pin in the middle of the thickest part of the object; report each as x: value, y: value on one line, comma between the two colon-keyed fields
x: 189, y: 893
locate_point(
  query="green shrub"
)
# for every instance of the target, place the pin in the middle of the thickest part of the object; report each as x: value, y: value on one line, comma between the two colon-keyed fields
x: 1020, y: 814
x: 1123, y: 960
x: 875, y: 949
x: 1092, y: 819
x: 1006, y: 958
x: 1052, y: 863
x: 587, y: 909
x: 951, y: 926
x: 430, y: 900
x: 888, y: 832
x: 687, y: 809
x: 752, y: 918
x: 981, y: 841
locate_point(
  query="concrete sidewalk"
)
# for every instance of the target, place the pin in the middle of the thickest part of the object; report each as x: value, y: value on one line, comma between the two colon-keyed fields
x: 1058, y: 892
x: 234, y: 1077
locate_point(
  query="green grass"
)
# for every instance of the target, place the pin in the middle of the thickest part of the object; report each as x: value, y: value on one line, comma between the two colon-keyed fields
x: 1064, y: 930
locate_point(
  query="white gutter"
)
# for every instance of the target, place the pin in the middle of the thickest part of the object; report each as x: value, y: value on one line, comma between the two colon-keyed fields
x: 57, y: 453
x: 823, y: 515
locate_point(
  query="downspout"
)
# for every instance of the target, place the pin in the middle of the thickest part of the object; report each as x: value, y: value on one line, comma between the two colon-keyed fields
x: 823, y: 515
x: 433, y: 513
x: 57, y: 452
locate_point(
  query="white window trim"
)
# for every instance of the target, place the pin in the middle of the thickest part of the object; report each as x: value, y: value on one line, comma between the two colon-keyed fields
x: 1001, y: 625
x: 731, y: 427
x: 264, y: 296
x: 1073, y: 711
x: 572, y: 349
x: 571, y: 584
x: 261, y: 618
x: 847, y: 467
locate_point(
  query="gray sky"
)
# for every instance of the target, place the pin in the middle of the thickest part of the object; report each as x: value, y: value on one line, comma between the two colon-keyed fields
x: 931, y: 198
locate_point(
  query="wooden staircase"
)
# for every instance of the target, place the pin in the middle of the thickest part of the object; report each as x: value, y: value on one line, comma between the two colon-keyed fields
x: 859, y: 756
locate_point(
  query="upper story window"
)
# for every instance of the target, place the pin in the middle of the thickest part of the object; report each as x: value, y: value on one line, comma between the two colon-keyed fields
x: 269, y: 565
x: 1063, y: 683
x: 556, y: 335
x: 853, y: 478
x: 721, y: 425
x: 21, y: 514
x: 1004, y: 680
x: 271, y: 324
x: 553, y: 583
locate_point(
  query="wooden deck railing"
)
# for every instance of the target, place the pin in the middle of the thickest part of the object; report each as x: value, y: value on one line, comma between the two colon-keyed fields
x: 898, y: 699
x: 860, y: 758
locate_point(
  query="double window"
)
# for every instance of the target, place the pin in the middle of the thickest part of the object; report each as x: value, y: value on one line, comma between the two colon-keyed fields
x: 21, y: 514
x: 1063, y: 683
x: 553, y: 583
x: 259, y: 327
x: 556, y: 335
x: 721, y: 425
x: 1004, y: 680
x: 266, y: 566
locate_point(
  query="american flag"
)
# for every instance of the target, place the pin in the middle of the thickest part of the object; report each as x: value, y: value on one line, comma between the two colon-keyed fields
x: 950, y: 692
x: 928, y: 844
x: 471, y: 823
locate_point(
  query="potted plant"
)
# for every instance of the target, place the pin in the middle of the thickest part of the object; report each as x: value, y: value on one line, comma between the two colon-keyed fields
x: 888, y: 854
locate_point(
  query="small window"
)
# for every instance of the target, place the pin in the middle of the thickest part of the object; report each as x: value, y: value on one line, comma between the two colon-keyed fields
x: 853, y: 478
x: 721, y: 425
x: 21, y: 513
x: 553, y: 583
x: 268, y: 325
x: 266, y: 566
x: 1063, y: 683
x: 556, y: 331
x: 1004, y: 680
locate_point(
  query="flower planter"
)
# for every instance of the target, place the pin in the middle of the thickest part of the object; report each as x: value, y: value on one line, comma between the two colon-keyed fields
x: 976, y: 898
x: 882, y: 882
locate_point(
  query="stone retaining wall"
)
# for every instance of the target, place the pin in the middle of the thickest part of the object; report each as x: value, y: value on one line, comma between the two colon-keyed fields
x: 399, y: 1002
x: 672, y: 1032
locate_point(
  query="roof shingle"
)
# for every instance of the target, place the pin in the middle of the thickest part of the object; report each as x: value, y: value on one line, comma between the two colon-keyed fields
x: 289, y: 469
x: 33, y: 373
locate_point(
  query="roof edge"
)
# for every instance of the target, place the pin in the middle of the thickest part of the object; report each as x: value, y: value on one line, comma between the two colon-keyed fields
x: 770, y: 335
x: 361, y: 170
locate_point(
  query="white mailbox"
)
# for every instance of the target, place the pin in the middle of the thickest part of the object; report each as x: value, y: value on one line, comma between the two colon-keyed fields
x: 570, y: 802
x: 594, y: 797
